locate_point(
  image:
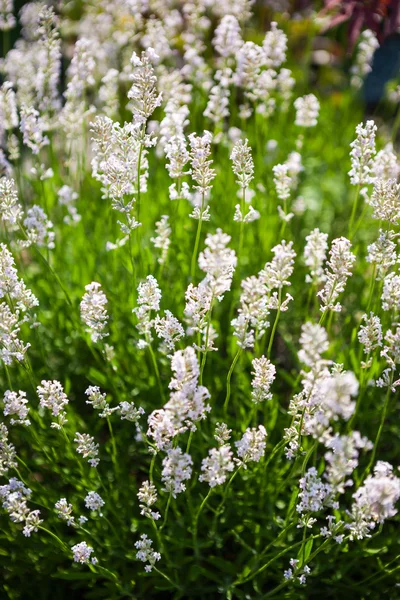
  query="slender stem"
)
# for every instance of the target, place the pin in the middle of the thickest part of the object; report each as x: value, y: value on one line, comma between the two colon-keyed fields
x: 196, y: 519
x: 197, y: 241
x: 228, y: 379
x: 167, y: 510
x: 354, y: 209
x: 278, y: 312
x: 381, y: 425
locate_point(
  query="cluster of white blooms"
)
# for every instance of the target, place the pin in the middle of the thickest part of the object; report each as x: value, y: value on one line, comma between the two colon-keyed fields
x: 108, y: 93
x: 10, y: 209
x: 67, y: 197
x: 145, y: 552
x: 282, y: 181
x: 370, y: 334
x: 147, y: 496
x: 12, y: 287
x: 149, y: 296
x: 218, y: 262
x: 362, y: 153
x: 314, y: 494
x: 178, y: 156
x: 83, y: 554
x: 391, y: 292
x: 336, y: 392
x: 176, y: 468
x: 251, y: 447
x: 295, y: 571
x: 87, y: 447
x: 263, y: 377
x: 216, y: 466
x: 64, y: 511
x: 52, y: 396
x: 314, y: 342
x: 374, y: 501
x: 169, y: 329
x: 14, y: 496
x: 94, y: 501
x: 143, y: 93
x: 383, y: 253
x: 32, y: 127
x: 7, y: 19
x: 227, y: 37
x: 200, y: 151
x: 252, y: 320
x: 38, y: 229
x: 115, y: 164
x: 15, y: 403
x: 162, y: 240
x: 386, y: 165
x: 94, y: 312
x: 99, y: 402
x: 364, y: 57
x: 129, y: 412
x: 8, y: 109
x: 342, y: 458
x: 307, y: 110
x: 222, y: 433
x: 338, y: 270
x: 198, y: 304
x: 242, y: 163
x: 391, y: 352
x: 274, y: 46
x: 187, y: 403
x: 276, y: 274
x: 49, y: 62
x: 7, y: 452
x: 385, y: 200
x: 315, y: 255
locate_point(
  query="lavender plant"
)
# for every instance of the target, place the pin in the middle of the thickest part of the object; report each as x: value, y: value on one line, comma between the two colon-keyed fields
x: 199, y: 304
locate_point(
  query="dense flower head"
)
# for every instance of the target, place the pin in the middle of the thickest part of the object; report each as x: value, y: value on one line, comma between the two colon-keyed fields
x: 263, y: 377
x: 52, y: 396
x: 93, y: 501
x: 315, y: 255
x: 218, y: 262
x: 338, y: 270
x: 251, y: 447
x: 94, y: 312
x: 83, y: 553
x: 242, y: 163
x: 216, y: 466
x: 362, y: 153
x: 200, y: 151
x: 177, y: 468
x: 15, y: 403
x: 145, y: 552
x: 143, y: 93
x: 385, y: 200
x: 87, y: 447
x: 10, y: 209
x: 307, y: 110
x: 147, y: 496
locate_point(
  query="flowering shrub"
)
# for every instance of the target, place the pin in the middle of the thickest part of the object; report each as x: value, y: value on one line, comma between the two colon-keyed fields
x: 199, y: 303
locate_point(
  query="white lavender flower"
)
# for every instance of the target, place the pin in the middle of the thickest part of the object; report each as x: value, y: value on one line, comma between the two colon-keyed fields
x: 149, y: 296
x: 87, y: 447
x: 385, y: 165
x: 7, y: 19
x: 364, y: 57
x: 276, y: 274
x: 162, y: 240
x: 307, y: 111
x: 176, y: 468
x: 227, y: 36
x: 10, y: 209
x: 64, y: 511
x: 147, y: 496
x: 314, y: 494
x: 218, y: 262
x: 83, y: 554
x: 216, y: 466
x: 99, y: 402
x: 129, y: 412
x: 52, y: 396
x: 32, y: 128
x: 274, y: 46
x: 314, y: 342
x: 32, y: 523
x: 336, y: 392
x: 15, y: 403
x: 385, y: 200
x: 263, y: 377
x: 169, y: 329
x: 362, y: 153
x: 8, y: 454
x: 145, y: 552
x: 222, y: 433
x: 391, y: 292
x: 242, y: 163
x: 251, y: 447
x: 94, y: 312
x: 370, y: 334
x: 338, y: 270
x: 315, y: 255
x: 38, y: 228
x: 383, y: 253
x: 143, y: 93
x: 94, y: 501
x: 200, y: 151
x: 374, y: 501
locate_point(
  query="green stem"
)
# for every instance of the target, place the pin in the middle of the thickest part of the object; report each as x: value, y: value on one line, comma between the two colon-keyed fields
x: 228, y: 379
x: 197, y: 241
